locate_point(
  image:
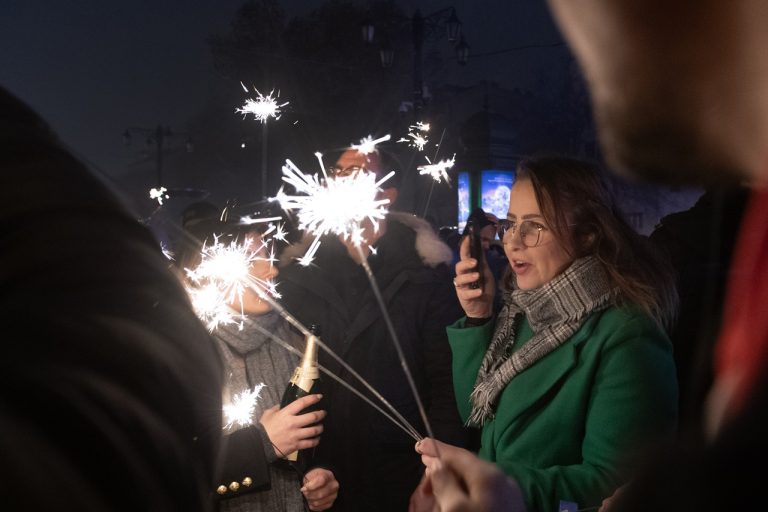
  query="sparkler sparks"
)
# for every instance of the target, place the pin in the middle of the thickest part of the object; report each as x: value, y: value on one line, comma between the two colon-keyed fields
x: 224, y: 275
x: 367, y: 144
x: 416, y: 137
x: 159, y: 194
x: 438, y: 170
x: 262, y: 107
x: 335, y: 204
x: 240, y: 411
x: 166, y: 251
x: 210, y: 304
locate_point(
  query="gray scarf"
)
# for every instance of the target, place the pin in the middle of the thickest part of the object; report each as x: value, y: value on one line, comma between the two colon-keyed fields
x: 555, y: 311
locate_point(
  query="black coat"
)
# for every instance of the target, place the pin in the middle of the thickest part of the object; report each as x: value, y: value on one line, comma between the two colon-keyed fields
x: 374, y: 461
x: 110, y: 386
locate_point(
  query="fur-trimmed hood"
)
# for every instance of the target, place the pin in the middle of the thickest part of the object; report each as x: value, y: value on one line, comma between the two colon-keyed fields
x: 429, y: 247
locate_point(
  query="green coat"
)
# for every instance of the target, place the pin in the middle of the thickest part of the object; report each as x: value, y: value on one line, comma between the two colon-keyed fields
x: 567, y: 427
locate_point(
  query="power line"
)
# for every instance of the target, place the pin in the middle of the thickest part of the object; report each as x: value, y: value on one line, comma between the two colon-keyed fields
x: 516, y: 48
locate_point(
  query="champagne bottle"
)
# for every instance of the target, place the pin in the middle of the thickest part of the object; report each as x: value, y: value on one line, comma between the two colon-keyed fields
x: 306, y: 378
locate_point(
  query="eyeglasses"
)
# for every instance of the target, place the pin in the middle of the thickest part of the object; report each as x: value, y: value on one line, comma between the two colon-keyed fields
x: 339, y: 172
x: 530, y: 231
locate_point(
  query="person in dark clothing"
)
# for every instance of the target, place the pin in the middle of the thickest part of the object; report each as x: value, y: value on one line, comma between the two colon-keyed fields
x: 699, y: 242
x: 253, y: 473
x: 372, y: 458
x: 111, y: 387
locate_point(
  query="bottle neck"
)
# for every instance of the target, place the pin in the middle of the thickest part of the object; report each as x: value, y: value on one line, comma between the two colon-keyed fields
x: 309, y: 360
x: 307, y: 372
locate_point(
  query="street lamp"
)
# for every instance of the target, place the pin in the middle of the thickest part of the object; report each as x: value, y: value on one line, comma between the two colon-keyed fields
x: 387, y: 54
x: 454, y: 26
x: 157, y: 137
x: 368, y: 30
x: 422, y: 27
x: 462, y: 51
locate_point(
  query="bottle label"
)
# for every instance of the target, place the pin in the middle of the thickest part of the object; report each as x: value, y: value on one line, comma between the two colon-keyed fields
x: 304, y: 378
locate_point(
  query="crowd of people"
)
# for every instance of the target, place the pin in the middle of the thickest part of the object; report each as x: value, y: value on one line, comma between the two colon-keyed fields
x: 550, y: 385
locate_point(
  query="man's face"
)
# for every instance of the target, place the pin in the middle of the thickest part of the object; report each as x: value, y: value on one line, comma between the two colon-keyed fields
x: 664, y: 79
x: 352, y: 160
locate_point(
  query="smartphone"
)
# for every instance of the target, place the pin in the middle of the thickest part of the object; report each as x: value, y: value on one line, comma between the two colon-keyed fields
x: 475, y: 251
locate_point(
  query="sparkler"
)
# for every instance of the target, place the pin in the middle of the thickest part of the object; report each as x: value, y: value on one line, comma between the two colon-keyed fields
x: 339, y: 204
x: 438, y: 170
x: 262, y: 107
x: 395, y: 340
x: 402, y: 423
x: 335, y: 204
x: 240, y: 411
x: 210, y: 304
x: 159, y: 194
x: 367, y: 144
x: 223, y: 276
x: 417, y: 136
x: 166, y: 251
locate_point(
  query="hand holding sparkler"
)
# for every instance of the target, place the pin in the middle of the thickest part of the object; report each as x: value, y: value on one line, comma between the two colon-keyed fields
x: 288, y: 430
x: 458, y: 480
x: 320, y: 489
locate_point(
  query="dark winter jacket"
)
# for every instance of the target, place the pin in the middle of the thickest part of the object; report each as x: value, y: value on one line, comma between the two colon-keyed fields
x: 374, y: 461
x: 251, y: 359
x: 111, y: 387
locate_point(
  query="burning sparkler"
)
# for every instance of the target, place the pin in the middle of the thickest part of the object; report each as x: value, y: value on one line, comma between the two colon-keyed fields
x: 224, y: 275
x: 166, y: 251
x: 159, y: 194
x: 438, y: 170
x: 262, y: 107
x: 240, y: 411
x: 367, y: 144
x: 335, y: 204
x: 210, y: 304
x: 416, y: 137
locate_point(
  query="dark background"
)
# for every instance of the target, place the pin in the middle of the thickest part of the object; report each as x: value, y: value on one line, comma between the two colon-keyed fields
x: 94, y: 69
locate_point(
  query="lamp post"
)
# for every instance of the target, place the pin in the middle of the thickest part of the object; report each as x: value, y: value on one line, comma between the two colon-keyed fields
x: 158, y: 137
x: 264, y: 148
x: 422, y: 27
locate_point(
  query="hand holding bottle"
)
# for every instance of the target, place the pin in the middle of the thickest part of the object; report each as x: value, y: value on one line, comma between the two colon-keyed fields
x: 289, y: 430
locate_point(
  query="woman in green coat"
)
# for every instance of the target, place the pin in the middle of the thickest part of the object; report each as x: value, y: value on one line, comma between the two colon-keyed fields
x: 575, y: 376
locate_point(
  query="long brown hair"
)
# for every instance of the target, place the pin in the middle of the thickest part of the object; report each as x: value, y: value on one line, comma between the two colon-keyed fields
x: 581, y: 212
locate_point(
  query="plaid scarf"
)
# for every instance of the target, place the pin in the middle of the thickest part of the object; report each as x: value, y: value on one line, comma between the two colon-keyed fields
x: 555, y: 311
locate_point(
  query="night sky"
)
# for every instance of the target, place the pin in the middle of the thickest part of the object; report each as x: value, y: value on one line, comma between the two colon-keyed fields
x: 92, y: 68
